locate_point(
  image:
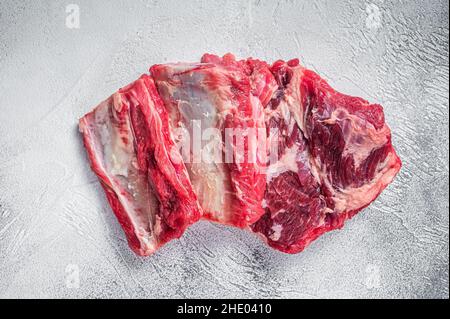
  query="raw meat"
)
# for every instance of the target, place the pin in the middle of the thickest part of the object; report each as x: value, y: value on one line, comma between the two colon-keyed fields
x: 334, y: 158
x: 221, y: 94
x: 272, y: 149
x: 130, y: 150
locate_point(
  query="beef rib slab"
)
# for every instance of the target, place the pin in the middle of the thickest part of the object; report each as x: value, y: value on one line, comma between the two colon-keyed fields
x: 334, y: 154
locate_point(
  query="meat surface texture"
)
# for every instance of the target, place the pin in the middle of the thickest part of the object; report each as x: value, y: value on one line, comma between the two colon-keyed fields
x: 129, y: 147
x: 334, y: 158
x: 213, y: 98
x: 268, y: 148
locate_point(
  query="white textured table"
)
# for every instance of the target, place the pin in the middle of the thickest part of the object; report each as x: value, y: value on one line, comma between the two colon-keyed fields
x: 58, y: 237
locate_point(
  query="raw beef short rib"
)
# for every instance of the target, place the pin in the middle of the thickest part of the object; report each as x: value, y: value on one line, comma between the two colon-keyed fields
x: 129, y: 147
x: 334, y: 158
x: 220, y: 93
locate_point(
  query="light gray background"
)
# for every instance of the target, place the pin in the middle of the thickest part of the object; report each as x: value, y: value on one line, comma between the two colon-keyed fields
x: 55, y: 223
